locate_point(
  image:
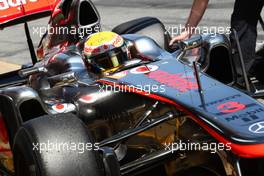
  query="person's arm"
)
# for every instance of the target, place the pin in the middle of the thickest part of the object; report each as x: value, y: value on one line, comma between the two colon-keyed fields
x: 196, y: 14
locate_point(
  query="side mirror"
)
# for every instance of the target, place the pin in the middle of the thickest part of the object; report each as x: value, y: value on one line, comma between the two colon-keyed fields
x: 30, y: 71
x: 192, y: 42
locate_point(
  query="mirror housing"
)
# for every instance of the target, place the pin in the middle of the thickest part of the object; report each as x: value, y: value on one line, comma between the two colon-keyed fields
x: 191, y: 43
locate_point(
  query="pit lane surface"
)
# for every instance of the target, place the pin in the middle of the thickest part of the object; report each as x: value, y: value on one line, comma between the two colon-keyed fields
x: 13, y: 46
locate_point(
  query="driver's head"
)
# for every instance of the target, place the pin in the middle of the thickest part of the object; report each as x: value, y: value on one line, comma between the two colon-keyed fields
x: 105, y: 52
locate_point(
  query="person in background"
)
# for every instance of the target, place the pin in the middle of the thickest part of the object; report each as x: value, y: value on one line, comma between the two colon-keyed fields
x: 196, y: 14
x: 244, y: 20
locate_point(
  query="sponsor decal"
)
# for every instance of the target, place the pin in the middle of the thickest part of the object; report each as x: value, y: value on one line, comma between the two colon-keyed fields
x: 257, y: 128
x: 87, y: 99
x: 176, y: 81
x: 246, y: 117
x: 6, y: 4
x: 102, y: 42
x: 118, y: 75
x: 92, y: 50
x: 208, y: 104
x: 144, y: 69
x: 231, y: 107
x: 91, y: 98
x: 118, y: 41
x: 63, y: 107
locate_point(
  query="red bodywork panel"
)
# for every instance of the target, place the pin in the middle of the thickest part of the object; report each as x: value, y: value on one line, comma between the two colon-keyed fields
x: 18, y: 11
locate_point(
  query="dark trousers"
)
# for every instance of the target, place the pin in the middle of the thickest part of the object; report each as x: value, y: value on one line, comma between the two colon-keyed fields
x: 244, y: 20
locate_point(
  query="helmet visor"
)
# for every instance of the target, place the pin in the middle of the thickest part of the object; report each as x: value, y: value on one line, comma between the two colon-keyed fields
x: 110, y: 60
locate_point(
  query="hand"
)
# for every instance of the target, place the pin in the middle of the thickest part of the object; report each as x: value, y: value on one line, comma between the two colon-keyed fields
x: 183, y: 36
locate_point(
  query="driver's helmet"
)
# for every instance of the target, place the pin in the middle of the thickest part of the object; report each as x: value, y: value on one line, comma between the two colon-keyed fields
x: 105, y: 52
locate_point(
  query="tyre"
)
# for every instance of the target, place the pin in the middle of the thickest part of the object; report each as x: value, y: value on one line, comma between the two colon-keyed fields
x: 148, y: 26
x: 54, y: 146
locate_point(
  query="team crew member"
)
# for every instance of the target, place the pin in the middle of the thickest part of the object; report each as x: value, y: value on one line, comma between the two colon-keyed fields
x: 196, y: 14
x: 244, y: 20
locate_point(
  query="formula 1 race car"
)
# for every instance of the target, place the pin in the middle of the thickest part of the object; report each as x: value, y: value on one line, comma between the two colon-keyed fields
x: 160, y: 113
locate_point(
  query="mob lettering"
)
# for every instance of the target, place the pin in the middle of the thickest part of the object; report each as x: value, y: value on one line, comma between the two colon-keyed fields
x: 176, y: 81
